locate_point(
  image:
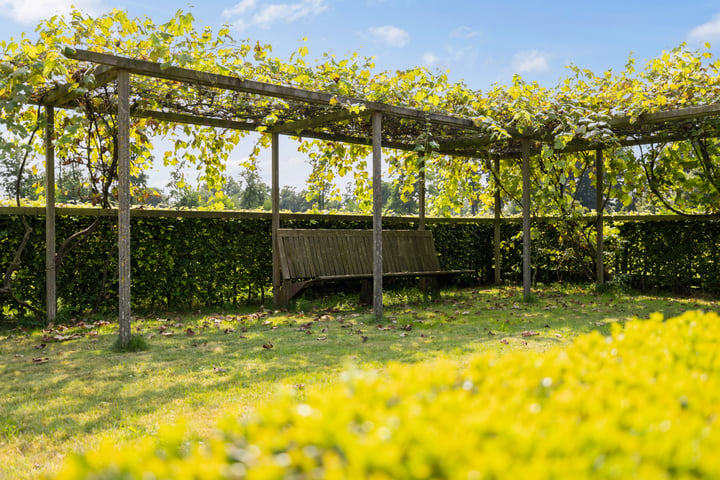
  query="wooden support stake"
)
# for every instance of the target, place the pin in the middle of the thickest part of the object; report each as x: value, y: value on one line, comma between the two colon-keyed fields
x: 600, y: 208
x: 377, y: 215
x: 50, y: 267
x: 424, y: 283
x: 527, y: 267
x: 123, y: 145
x: 275, y: 195
x: 496, y: 236
x: 421, y: 197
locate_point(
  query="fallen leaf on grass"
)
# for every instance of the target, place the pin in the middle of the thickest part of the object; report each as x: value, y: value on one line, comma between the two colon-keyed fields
x: 558, y: 335
x: 190, y: 332
x: 268, y: 346
x: 40, y: 360
x: 320, y: 339
x: 403, y: 334
x: 61, y: 338
x: 42, y: 345
x: 529, y: 333
x: 167, y: 334
x: 19, y: 355
x: 364, y: 339
x: 504, y: 341
x: 490, y: 332
x: 219, y: 369
x: 229, y: 330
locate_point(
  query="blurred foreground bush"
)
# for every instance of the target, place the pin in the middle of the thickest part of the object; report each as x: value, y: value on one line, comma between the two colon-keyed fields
x: 642, y: 403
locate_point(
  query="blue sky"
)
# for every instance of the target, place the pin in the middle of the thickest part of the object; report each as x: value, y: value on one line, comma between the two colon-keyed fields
x: 480, y: 42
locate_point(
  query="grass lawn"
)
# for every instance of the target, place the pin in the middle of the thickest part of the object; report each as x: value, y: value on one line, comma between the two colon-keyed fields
x: 63, y: 389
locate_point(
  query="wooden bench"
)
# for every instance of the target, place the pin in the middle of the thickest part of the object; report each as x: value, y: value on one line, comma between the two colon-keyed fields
x: 312, y: 256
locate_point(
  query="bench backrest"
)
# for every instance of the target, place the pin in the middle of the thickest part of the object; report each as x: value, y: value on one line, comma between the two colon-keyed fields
x: 321, y: 253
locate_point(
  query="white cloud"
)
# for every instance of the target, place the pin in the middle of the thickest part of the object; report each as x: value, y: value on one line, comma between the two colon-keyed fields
x: 464, y: 32
x: 263, y: 14
x: 32, y: 11
x: 530, y: 61
x: 429, y: 59
x: 707, y: 32
x: 390, y: 35
x: 239, y: 9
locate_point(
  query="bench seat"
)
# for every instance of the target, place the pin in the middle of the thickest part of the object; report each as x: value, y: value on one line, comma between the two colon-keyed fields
x: 308, y: 256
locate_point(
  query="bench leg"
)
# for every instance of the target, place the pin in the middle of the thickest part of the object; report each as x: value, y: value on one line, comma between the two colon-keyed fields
x: 280, y: 298
x: 430, y: 286
x: 366, y: 292
x: 287, y: 291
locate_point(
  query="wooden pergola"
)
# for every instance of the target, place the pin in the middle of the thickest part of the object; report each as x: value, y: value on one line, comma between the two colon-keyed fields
x: 233, y: 103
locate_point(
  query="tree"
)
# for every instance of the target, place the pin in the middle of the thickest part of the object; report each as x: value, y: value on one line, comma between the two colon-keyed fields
x: 254, y: 192
x: 293, y: 201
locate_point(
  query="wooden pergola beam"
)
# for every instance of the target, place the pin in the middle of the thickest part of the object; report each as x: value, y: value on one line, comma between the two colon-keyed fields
x: 317, y: 121
x: 188, y: 119
x: 66, y: 93
x: 207, y: 79
x: 686, y: 113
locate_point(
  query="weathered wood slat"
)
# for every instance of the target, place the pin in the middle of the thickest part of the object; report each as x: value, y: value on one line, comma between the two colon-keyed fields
x: 310, y: 256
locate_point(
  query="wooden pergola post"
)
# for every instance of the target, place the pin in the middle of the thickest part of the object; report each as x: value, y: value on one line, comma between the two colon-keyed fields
x: 496, y: 224
x: 275, y: 197
x: 600, y: 208
x: 50, y: 269
x: 527, y: 267
x: 123, y: 146
x: 421, y: 197
x: 377, y: 215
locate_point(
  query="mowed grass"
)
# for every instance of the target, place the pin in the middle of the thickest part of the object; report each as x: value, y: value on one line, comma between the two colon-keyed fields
x: 64, y: 389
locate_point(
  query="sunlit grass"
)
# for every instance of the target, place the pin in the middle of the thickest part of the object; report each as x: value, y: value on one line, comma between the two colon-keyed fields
x: 198, y: 367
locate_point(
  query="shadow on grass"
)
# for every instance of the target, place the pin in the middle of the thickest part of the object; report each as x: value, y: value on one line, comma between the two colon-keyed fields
x: 234, y: 362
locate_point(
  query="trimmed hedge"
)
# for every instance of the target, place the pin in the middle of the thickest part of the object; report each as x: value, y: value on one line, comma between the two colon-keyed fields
x: 670, y: 255
x: 182, y: 262
x: 641, y: 403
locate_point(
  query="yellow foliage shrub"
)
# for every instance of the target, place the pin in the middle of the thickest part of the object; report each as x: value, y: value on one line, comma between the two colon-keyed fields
x: 641, y: 403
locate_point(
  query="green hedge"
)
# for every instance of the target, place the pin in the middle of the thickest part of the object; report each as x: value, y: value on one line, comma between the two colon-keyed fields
x: 641, y: 403
x: 183, y: 262
x: 176, y: 262
x: 669, y: 255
